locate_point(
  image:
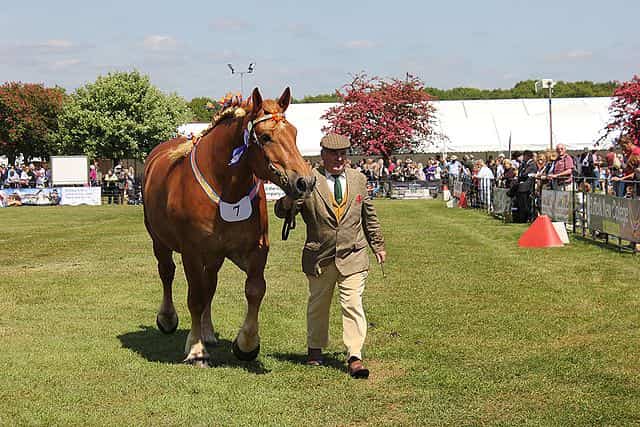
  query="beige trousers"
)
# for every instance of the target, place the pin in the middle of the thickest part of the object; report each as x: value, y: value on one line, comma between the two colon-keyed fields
x: 354, y: 322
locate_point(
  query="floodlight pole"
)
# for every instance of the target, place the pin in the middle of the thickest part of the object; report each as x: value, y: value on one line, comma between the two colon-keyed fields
x: 550, y: 120
x: 548, y: 84
x: 242, y: 73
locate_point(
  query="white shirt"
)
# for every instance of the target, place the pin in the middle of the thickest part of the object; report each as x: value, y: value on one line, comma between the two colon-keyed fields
x: 485, y: 173
x: 331, y: 182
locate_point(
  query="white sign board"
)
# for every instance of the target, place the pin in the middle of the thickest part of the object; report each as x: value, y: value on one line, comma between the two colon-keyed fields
x: 75, y: 196
x: 273, y: 192
x: 69, y: 170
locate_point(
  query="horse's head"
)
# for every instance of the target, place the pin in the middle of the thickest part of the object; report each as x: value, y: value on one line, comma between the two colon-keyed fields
x: 275, y: 156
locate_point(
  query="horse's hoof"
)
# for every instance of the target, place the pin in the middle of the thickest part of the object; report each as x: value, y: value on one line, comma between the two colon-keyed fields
x: 198, y: 362
x: 245, y: 356
x: 210, y: 341
x: 167, y: 330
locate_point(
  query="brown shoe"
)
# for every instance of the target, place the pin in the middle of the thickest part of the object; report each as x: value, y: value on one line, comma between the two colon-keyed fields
x: 314, y: 357
x: 357, y: 369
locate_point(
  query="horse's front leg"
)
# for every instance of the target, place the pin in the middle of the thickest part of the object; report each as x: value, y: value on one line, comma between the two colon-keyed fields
x: 246, y: 346
x: 211, y: 279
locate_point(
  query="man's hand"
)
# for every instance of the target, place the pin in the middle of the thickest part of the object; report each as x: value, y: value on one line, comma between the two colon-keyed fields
x: 287, y: 202
x: 381, y: 256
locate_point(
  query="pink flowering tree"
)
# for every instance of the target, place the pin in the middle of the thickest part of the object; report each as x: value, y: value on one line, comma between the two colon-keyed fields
x: 625, y: 110
x: 383, y: 116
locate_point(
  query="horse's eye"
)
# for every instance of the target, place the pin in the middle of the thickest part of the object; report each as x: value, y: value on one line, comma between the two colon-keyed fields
x: 265, y: 138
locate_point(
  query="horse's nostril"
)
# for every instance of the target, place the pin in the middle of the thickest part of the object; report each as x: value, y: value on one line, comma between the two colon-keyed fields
x: 301, y: 185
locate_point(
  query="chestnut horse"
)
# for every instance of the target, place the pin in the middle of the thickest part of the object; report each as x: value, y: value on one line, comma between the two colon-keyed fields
x: 204, y: 199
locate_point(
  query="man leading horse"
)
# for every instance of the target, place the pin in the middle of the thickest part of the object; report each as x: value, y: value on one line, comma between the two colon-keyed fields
x: 340, y: 221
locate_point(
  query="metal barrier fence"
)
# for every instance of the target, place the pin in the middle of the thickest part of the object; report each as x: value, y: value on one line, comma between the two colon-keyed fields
x: 591, y: 208
x: 122, y: 196
x: 479, y: 193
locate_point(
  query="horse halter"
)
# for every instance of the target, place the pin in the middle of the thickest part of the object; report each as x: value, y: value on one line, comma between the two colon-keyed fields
x: 249, y: 137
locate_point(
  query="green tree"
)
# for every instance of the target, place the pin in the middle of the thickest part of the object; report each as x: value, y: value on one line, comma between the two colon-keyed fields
x: 120, y: 115
x: 323, y: 97
x: 203, y: 108
x: 28, y: 119
x: 526, y: 89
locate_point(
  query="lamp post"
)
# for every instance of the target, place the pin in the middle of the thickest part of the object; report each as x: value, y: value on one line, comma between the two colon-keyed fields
x: 242, y: 73
x: 547, y: 84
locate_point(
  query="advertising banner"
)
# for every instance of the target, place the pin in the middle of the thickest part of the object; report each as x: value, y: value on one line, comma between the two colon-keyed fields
x: 557, y: 205
x: 412, y: 190
x: 29, y: 197
x: 614, y: 215
x: 74, y: 196
x: 273, y: 192
x: 501, y: 201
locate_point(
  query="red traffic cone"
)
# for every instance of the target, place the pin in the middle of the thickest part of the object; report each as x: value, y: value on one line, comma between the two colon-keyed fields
x: 462, y: 202
x: 541, y: 234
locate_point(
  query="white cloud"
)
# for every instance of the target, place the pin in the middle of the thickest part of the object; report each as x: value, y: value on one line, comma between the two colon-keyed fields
x: 229, y: 24
x: 156, y: 42
x: 571, y: 55
x: 57, y: 44
x: 359, y: 44
x: 302, y: 31
x: 225, y: 55
x: 579, y: 54
x: 64, y: 64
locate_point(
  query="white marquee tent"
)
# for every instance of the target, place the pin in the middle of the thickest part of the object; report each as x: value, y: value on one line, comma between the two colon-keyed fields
x: 476, y: 126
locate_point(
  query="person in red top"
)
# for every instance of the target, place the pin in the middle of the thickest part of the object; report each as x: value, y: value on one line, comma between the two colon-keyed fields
x: 629, y: 147
x: 562, y: 174
x: 631, y: 171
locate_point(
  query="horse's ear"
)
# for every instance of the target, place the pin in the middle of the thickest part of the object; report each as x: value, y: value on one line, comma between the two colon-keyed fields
x: 256, y: 102
x: 285, y: 99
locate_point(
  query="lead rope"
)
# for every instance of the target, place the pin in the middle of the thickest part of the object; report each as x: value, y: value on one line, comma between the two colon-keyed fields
x: 289, y: 223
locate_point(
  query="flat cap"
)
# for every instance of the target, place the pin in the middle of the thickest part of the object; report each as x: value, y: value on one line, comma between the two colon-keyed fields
x: 333, y: 141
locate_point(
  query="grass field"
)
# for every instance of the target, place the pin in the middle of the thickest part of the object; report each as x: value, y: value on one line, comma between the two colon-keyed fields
x: 466, y: 329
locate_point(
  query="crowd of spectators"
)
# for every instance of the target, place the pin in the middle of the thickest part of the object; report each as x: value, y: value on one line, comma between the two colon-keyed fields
x: 615, y: 171
x: 555, y: 169
x: 26, y: 176
x: 119, y: 185
x: 381, y: 172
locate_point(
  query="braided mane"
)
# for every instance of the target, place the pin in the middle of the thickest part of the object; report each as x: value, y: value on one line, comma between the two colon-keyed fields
x: 183, y: 149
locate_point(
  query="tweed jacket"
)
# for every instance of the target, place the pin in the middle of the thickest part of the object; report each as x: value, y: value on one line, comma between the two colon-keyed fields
x: 344, y: 239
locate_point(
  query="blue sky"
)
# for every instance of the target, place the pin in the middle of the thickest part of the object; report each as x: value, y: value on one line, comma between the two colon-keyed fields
x: 314, y: 47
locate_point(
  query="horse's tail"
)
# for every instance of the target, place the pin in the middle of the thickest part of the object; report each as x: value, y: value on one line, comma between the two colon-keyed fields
x: 182, y: 150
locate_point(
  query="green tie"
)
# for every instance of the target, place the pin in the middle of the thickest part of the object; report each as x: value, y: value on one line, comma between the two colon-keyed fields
x: 337, y: 189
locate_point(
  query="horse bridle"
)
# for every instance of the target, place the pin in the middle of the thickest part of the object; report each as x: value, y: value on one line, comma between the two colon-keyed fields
x: 252, y: 137
x: 290, y: 220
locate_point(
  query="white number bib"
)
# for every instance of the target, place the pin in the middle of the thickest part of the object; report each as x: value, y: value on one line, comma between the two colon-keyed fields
x: 235, y: 212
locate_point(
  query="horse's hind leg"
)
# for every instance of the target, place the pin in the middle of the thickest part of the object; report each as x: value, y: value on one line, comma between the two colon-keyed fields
x: 199, y: 296
x: 246, y: 346
x: 167, y: 318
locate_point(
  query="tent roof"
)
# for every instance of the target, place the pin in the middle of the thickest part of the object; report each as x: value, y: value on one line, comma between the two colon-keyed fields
x: 485, y: 125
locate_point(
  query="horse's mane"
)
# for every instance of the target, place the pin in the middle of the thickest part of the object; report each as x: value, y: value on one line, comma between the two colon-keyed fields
x: 235, y: 110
